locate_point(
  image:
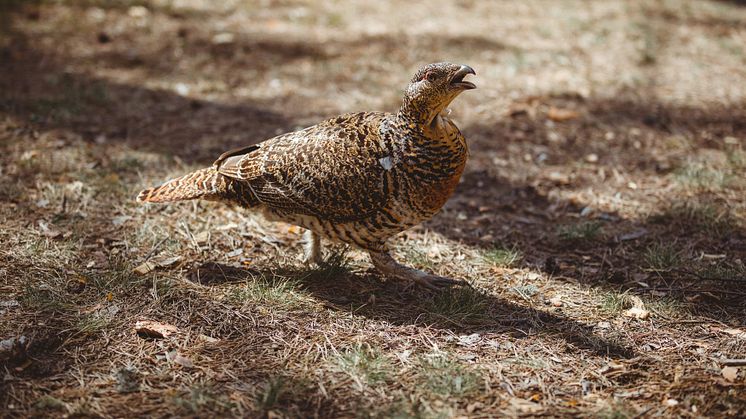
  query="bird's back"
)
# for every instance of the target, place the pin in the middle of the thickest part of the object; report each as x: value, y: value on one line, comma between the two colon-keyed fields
x: 358, y: 178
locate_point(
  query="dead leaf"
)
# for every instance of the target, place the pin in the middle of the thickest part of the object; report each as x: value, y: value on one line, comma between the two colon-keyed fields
x: 730, y: 373
x: 637, y: 313
x: 561, y: 115
x: 156, y: 263
x: 233, y: 253
x: 48, y: 231
x: 153, y: 329
x: 13, y: 347
x: 202, y: 238
x: 633, y: 235
x: 208, y: 339
x: 177, y: 358
x: 638, y: 309
x: 612, y: 367
x: 145, y: 268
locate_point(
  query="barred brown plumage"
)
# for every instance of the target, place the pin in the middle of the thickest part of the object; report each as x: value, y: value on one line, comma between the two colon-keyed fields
x: 359, y: 178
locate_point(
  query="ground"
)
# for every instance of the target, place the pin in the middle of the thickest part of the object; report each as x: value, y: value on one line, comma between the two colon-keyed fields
x: 601, y: 219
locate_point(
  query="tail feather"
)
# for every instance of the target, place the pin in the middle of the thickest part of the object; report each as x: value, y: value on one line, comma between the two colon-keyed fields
x: 204, y: 184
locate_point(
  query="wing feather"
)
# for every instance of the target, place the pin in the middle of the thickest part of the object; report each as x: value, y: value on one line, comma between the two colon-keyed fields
x: 331, y: 170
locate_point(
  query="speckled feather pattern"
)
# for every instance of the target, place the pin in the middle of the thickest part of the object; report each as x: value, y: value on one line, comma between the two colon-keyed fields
x: 359, y: 178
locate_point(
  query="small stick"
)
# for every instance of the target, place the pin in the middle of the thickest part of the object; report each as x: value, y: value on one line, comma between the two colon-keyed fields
x: 153, y: 250
x: 734, y: 362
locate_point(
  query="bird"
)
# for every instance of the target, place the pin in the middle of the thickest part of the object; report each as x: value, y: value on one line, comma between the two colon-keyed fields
x: 358, y: 178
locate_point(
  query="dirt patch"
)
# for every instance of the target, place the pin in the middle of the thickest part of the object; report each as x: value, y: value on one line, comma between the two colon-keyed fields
x: 606, y: 174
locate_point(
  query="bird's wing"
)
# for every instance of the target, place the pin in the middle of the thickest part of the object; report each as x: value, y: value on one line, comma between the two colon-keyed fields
x: 333, y: 170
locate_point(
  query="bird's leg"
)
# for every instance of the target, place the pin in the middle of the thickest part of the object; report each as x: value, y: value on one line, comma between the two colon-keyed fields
x: 383, y: 261
x: 312, y: 248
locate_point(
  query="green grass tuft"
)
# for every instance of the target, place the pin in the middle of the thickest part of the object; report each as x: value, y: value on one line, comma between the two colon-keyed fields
x: 661, y: 257
x: 460, y: 305
x: 445, y: 376
x: 699, y: 216
x: 703, y: 177
x: 274, y: 291
x: 91, y: 324
x: 366, y: 366
x: 588, y: 230
x: 614, y: 303
x: 503, y: 257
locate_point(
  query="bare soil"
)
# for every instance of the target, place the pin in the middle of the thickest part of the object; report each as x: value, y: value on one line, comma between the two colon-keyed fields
x: 601, y: 219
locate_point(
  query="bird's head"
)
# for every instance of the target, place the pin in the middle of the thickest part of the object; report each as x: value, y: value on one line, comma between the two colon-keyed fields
x: 432, y: 89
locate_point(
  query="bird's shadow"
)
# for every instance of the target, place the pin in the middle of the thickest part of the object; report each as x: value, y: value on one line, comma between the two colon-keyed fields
x: 459, y: 310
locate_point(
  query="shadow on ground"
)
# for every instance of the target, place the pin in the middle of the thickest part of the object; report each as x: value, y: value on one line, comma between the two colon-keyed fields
x: 460, y: 310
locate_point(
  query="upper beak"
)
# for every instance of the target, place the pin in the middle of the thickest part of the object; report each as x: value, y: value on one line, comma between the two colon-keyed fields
x: 458, y: 78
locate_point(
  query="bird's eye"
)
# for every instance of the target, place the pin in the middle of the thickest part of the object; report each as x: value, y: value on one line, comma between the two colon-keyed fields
x: 430, y: 76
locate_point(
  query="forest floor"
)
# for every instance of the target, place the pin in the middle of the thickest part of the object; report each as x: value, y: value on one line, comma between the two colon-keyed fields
x: 601, y: 219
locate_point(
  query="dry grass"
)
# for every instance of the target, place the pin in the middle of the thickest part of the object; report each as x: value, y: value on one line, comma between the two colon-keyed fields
x: 606, y: 169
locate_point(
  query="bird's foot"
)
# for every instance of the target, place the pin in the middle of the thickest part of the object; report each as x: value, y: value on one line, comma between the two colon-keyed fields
x: 312, y: 248
x: 433, y: 282
x: 389, y: 267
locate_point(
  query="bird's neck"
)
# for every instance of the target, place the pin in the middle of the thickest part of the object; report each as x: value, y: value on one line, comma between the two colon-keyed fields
x: 433, y: 129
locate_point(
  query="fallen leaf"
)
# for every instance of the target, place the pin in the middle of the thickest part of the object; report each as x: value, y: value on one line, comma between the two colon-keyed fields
x: 13, y: 347
x: 638, y: 309
x: 202, y: 238
x: 561, y: 115
x: 233, y: 253
x: 637, y: 313
x: 152, y: 264
x: 208, y: 339
x: 730, y: 373
x: 48, y: 231
x: 145, y: 268
x: 633, y: 235
x: 177, y: 358
x: 469, y: 340
x: 153, y: 329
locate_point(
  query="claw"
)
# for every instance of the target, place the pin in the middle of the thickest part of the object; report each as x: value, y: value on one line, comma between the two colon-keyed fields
x: 388, y: 266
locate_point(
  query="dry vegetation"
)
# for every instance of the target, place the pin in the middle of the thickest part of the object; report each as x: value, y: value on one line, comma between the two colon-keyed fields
x: 601, y: 219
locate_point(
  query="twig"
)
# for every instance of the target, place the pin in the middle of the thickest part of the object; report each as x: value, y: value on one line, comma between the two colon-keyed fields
x: 153, y: 250
x: 734, y: 362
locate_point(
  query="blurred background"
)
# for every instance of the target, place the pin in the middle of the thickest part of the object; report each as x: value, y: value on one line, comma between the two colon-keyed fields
x: 606, y: 160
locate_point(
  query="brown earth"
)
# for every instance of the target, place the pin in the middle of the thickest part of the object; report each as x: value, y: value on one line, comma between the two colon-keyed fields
x: 601, y: 219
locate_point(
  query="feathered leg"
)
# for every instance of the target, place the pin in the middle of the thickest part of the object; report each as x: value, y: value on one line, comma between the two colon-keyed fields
x: 312, y: 248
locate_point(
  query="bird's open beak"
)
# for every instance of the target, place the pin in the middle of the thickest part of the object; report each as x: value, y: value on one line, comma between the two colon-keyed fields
x: 458, y: 78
